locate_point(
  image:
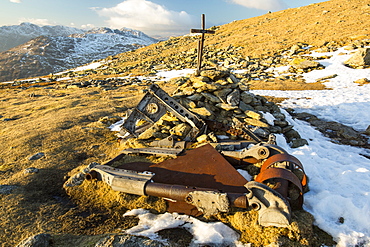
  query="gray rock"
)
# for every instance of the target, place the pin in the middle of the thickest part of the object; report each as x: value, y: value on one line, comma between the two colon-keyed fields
x: 37, y: 156
x: 226, y: 107
x: 292, y: 135
x: 31, y: 170
x: 214, y: 74
x: 221, y: 94
x: 6, y: 189
x: 39, y: 240
x: 202, y: 111
x: 211, y: 97
x: 244, y: 107
x: 233, y: 98
x: 298, y: 143
x: 367, y: 132
x: 360, y: 58
x: 127, y: 241
x: 304, y: 64
x: 348, y: 133
x: 247, y: 97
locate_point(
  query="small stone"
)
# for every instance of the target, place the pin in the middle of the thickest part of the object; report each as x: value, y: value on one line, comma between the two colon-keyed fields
x: 360, y: 58
x: 31, y: 170
x: 367, y: 131
x: 247, y: 97
x: 226, y: 107
x: 128, y: 241
x: 275, y: 129
x: 188, y: 91
x: 6, y: 189
x: 232, y: 79
x: 244, y: 107
x: 281, y: 123
x: 253, y: 114
x: 362, y: 81
x: 199, y: 79
x: 221, y: 94
x: 327, y: 77
x: 195, y: 97
x: 211, y: 97
x: 39, y: 240
x: 255, y: 122
x: 291, y: 134
x: 233, y: 98
x: 214, y: 75
x: 296, y: 143
x: 202, y: 111
x: 37, y: 156
x: 300, y: 63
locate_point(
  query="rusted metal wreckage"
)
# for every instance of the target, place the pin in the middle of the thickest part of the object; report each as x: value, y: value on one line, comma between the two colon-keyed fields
x: 204, y: 180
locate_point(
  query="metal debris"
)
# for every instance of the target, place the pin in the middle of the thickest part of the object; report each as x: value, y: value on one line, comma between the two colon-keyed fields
x: 200, y: 179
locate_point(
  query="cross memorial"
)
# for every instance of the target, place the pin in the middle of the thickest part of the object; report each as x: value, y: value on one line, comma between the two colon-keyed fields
x: 203, y: 31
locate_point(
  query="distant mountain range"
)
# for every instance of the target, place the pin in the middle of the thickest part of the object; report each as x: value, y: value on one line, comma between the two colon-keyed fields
x: 30, y: 50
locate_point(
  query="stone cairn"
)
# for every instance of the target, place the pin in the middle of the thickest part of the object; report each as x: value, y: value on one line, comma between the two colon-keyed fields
x: 218, y: 95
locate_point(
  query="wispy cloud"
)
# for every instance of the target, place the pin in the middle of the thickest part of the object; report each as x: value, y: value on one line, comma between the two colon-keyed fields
x: 40, y: 22
x: 15, y: 1
x: 148, y: 17
x: 87, y: 26
x: 262, y: 4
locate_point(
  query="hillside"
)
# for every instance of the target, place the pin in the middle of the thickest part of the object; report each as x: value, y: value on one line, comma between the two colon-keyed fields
x: 324, y: 24
x: 63, y: 120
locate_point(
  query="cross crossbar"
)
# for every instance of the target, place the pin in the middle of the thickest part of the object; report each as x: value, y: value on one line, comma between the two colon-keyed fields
x: 202, y: 31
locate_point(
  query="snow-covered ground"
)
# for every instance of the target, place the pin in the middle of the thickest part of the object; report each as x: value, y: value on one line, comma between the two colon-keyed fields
x: 339, y: 175
x: 339, y: 196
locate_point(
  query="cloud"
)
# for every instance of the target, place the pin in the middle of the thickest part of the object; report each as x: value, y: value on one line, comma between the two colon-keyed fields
x: 148, y: 17
x: 87, y: 26
x: 15, y: 1
x: 40, y: 22
x: 262, y: 4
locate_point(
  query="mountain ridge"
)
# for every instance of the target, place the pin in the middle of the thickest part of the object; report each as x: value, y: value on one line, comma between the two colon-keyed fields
x: 47, y: 54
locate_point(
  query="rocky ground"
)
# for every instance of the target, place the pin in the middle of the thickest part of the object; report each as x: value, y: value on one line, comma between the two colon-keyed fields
x: 52, y: 130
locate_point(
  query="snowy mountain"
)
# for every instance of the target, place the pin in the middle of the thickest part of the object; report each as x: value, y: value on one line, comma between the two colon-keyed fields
x: 47, y: 54
x: 11, y: 36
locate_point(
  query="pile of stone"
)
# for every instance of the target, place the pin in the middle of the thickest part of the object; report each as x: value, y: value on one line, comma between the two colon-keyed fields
x: 218, y: 95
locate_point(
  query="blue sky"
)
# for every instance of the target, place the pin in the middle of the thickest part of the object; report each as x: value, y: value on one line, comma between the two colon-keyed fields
x: 154, y: 17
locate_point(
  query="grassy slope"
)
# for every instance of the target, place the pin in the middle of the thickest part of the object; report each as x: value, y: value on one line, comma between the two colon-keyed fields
x: 337, y: 20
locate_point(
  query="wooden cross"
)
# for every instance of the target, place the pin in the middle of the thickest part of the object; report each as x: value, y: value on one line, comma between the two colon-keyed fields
x: 203, y: 31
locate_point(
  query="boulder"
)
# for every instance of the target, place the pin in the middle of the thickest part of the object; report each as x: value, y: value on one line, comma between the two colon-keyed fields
x: 367, y: 132
x: 127, y: 241
x: 300, y: 63
x: 360, y: 58
x: 39, y: 240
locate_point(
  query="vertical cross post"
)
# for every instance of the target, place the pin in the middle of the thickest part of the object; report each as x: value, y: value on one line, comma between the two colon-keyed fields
x: 203, y: 31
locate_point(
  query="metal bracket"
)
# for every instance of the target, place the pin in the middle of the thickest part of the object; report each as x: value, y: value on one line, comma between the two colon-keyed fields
x: 256, y: 151
x: 273, y: 209
x: 154, y: 105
